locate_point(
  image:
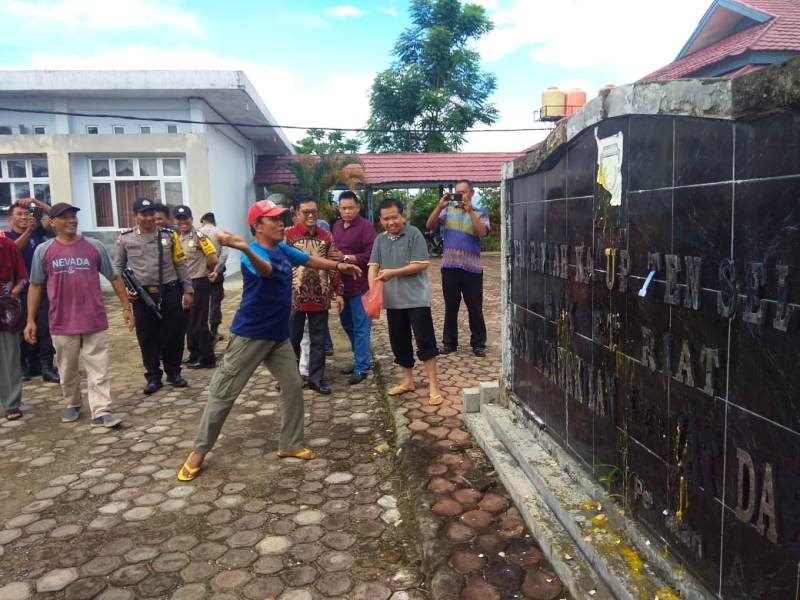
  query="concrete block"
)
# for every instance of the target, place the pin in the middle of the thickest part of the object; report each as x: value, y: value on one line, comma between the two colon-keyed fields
x: 490, y: 392
x: 472, y: 400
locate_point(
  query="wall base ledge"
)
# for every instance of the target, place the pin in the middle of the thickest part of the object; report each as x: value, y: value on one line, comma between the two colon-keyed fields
x: 596, y: 550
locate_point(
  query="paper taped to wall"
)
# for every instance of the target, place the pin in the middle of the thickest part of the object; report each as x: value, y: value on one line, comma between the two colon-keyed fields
x: 609, y: 165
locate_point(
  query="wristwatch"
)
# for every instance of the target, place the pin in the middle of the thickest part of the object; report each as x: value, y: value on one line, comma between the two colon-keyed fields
x: 347, y: 259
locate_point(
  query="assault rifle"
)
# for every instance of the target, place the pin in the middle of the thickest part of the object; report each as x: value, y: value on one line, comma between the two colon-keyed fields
x: 134, y: 286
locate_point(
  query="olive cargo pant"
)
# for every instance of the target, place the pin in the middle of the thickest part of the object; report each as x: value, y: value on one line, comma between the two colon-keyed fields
x: 238, y: 364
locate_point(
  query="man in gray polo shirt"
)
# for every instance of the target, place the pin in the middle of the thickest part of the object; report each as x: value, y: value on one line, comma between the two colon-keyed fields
x: 399, y: 259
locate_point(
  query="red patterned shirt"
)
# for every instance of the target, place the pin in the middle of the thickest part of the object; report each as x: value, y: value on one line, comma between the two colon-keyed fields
x: 313, y: 289
x: 12, y: 266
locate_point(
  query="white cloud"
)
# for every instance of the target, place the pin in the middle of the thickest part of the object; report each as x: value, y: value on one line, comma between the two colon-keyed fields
x: 391, y: 11
x: 293, y: 99
x: 344, y: 11
x: 633, y: 36
x: 99, y: 14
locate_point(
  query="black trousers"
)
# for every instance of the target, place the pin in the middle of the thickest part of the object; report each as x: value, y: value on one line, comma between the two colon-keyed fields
x: 161, y: 340
x: 317, y: 322
x: 33, y: 355
x: 458, y: 283
x: 404, y: 321
x: 198, y: 336
x: 215, y: 305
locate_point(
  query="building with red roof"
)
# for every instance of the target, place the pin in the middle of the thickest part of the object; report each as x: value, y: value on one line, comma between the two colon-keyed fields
x: 404, y: 169
x: 735, y: 37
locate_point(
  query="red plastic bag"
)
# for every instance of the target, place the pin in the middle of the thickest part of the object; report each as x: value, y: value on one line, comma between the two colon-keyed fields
x: 373, y: 300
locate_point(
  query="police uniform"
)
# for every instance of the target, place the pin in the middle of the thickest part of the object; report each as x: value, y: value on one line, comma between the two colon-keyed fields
x: 159, y: 263
x: 198, y: 246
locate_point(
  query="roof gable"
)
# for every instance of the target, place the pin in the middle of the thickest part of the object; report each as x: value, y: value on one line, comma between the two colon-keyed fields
x: 774, y: 40
x: 722, y: 19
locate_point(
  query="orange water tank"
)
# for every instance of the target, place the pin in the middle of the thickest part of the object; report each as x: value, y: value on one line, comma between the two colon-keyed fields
x: 553, y: 101
x: 575, y: 101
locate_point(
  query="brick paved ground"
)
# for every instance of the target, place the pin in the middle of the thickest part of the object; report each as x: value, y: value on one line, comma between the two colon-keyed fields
x: 481, y: 549
x: 98, y: 513
x: 90, y: 513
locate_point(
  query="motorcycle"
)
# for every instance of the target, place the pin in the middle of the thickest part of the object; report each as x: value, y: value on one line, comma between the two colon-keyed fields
x: 435, y: 243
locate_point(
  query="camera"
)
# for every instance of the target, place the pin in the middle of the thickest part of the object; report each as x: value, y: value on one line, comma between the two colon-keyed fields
x: 455, y: 199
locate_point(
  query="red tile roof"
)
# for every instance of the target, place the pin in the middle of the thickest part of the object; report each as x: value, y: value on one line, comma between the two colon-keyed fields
x: 781, y: 33
x: 404, y: 168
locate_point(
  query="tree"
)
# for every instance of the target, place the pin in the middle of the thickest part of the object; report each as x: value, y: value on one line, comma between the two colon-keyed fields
x: 490, y: 202
x: 318, y: 175
x: 422, y: 207
x: 316, y: 142
x: 435, y: 90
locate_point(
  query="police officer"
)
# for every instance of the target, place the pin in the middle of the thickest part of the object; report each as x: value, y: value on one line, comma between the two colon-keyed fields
x: 157, y: 260
x: 201, y: 258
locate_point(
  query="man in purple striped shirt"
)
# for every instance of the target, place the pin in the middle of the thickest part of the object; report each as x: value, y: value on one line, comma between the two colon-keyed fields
x: 354, y: 236
x: 462, y: 274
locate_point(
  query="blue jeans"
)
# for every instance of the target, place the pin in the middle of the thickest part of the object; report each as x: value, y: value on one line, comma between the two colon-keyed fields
x: 328, y: 338
x: 358, y: 328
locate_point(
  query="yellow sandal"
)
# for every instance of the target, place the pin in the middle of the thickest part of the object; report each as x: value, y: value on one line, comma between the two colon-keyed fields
x: 304, y: 453
x: 399, y: 390
x: 435, y: 400
x: 192, y: 472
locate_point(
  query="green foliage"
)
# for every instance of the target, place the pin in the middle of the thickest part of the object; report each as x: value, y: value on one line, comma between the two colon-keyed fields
x: 490, y: 202
x: 317, y: 142
x: 320, y: 175
x: 436, y: 82
x: 611, y: 477
x: 423, y: 206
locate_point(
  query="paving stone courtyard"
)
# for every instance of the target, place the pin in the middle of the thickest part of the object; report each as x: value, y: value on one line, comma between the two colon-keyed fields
x: 95, y: 513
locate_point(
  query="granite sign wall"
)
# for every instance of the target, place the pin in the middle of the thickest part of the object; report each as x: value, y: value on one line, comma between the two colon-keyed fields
x: 657, y: 337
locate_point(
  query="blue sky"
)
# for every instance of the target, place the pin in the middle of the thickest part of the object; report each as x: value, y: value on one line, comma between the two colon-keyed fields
x: 313, y: 60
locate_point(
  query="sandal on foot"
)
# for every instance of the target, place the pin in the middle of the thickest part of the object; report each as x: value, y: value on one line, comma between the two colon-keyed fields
x: 14, y: 414
x: 191, y: 472
x: 304, y: 453
x: 399, y: 390
x: 434, y: 400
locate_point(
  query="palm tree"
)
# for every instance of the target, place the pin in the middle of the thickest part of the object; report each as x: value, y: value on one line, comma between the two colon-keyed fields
x: 318, y: 175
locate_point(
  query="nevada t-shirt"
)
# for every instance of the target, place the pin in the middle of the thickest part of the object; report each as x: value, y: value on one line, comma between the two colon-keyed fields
x: 267, y: 301
x: 70, y: 273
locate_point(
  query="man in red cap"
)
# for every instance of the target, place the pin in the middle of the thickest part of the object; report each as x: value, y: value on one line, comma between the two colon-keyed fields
x: 260, y: 334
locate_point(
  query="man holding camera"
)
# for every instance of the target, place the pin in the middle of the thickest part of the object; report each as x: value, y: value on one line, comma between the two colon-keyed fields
x: 28, y: 233
x: 462, y: 274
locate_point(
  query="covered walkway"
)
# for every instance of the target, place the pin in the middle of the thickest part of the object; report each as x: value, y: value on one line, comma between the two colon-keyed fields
x: 408, y: 170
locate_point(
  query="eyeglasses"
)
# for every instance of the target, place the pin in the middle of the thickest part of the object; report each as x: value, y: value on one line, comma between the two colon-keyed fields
x: 308, y: 213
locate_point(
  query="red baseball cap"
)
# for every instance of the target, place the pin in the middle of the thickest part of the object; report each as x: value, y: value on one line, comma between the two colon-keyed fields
x: 264, y: 208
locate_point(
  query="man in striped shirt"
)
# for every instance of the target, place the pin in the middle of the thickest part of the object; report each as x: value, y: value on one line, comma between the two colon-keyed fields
x: 462, y: 273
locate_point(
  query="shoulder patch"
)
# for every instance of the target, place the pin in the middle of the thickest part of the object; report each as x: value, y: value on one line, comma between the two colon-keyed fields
x: 121, y: 233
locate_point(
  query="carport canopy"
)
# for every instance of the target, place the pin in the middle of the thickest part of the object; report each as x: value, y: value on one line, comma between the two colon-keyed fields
x: 408, y: 170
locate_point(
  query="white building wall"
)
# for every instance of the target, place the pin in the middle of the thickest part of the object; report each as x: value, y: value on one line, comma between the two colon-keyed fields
x: 15, y: 119
x: 220, y: 161
x: 81, y: 193
x: 162, y: 108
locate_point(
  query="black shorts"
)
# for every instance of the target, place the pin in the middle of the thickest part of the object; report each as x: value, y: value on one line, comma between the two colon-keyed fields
x: 404, y: 321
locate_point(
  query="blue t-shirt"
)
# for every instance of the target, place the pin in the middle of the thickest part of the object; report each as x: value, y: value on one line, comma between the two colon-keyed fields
x: 266, y: 301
